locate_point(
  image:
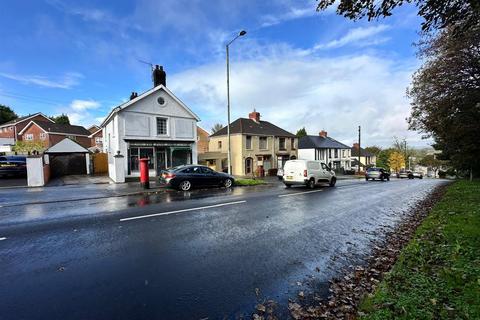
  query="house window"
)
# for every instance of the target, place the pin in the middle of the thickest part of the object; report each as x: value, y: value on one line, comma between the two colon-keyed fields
x: 161, y: 126
x: 10, y: 128
x: 29, y: 137
x: 72, y: 138
x: 98, y: 140
x: 43, y: 136
x: 282, y: 144
x: 336, y: 153
x: 263, y: 142
x: 219, y: 145
x: 249, y: 142
x: 292, y: 141
x: 248, y: 166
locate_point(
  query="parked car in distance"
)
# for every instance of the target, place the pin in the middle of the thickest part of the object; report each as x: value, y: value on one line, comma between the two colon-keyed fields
x: 186, y: 177
x: 405, y: 174
x: 308, y: 173
x: 377, y: 173
x: 418, y: 175
x: 13, y: 166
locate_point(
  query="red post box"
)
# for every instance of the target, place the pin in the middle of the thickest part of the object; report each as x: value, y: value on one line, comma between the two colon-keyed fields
x: 144, y: 179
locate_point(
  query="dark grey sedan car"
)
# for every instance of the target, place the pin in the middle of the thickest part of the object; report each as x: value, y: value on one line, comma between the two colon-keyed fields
x: 186, y: 177
x: 377, y: 173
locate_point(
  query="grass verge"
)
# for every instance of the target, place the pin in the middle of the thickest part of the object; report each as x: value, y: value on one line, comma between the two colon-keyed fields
x: 249, y: 182
x: 437, y: 275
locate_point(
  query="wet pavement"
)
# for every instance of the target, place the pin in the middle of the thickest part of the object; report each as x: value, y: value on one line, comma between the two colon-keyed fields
x: 205, y: 253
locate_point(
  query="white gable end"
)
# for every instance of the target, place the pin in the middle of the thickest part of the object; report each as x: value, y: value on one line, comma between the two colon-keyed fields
x: 66, y: 146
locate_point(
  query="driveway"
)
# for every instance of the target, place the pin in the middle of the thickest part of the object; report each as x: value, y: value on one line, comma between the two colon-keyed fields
x: 12, y: 182
x: 192, y: 255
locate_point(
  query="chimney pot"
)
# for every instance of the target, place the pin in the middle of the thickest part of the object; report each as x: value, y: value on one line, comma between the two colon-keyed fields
x: 133, y: 95
x: 323, y: 133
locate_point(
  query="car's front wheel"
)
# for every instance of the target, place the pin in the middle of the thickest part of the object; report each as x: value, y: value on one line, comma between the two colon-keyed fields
x: 288, y: 185
x: 228, y: 183
x: 333, y: 181
x: 366, y: 179
x: 311, y: 183
x: 185, y: 185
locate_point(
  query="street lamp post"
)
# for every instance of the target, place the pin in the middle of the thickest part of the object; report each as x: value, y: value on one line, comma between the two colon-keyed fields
x: 229, y: 156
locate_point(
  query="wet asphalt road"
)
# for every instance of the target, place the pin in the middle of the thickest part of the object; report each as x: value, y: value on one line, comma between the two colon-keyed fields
x: 202, y: 254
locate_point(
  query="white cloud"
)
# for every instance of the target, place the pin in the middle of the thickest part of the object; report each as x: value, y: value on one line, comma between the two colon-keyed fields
x: 82, y: 105
x: 80, y: 112
x: 358, y: 36
x: 293, y: 90
x: 67, y: 81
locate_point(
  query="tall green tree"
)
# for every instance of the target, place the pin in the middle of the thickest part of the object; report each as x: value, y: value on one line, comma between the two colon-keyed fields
x: 301, y: 133
x: 61, y: 119
x: 383, y: 157
x: 436, y: 14
x: 445, y: 95
x: 6, y: 114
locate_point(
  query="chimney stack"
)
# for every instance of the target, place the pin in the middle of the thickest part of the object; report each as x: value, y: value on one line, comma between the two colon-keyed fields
x: 355, y: 145
x: 255, y: 116
x: 159, y: 76
x: 323, y: 133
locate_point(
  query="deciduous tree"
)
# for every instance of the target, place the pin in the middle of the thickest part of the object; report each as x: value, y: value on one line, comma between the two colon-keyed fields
x: 217, y: 127
x: 6, y: 114
x: 301, y: 133
x: 61, y: 119
x: 396, y: 161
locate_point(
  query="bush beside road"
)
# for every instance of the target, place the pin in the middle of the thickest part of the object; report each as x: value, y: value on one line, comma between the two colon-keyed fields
x: 437, y: 275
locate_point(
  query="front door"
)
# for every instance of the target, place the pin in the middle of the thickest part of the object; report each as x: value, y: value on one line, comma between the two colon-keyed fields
x: 161, y: 160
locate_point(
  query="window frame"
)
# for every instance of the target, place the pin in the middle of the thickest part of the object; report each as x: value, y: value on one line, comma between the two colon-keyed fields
x: 248, y: 138
x: 219, y: 144
x: 43, y: 136
x: 28, y: 136
x: 260, y: 143
x: 280, y: 147
x: 166, y: 126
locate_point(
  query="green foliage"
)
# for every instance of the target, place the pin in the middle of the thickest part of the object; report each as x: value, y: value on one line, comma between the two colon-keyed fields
x: 248, y: 182
x: 445, y: 95
x: 374, y: 149
x: 61, y: 119
x: 437, y: 14
x: 383, y: 157
x: 301, y: 133
x: 6, y: 114
x: 437, y: 275
x: 217, y: 127
x: 25, y: 147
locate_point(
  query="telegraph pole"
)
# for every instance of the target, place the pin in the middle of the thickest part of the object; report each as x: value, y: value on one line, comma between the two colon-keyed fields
x: 359, y: 147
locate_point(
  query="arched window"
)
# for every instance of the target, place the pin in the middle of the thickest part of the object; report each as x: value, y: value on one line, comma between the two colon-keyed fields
x: 248, y: 166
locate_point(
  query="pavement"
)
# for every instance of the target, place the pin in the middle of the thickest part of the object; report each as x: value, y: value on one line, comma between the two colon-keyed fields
x: 193, y: 255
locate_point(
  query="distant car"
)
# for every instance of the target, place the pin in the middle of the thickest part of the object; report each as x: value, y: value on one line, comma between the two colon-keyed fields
x: 186, y: 177
x: 13, y: 166
x: 280, y: 174
x: 405, y: 174
x: 377, y: 173
x: 307, y: 172
x: 418, y: 175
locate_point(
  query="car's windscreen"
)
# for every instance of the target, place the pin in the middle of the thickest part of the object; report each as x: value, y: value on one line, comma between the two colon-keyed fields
x: 373, y: 169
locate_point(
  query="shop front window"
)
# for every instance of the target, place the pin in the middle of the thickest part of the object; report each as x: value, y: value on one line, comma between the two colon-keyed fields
x: 181, y: 157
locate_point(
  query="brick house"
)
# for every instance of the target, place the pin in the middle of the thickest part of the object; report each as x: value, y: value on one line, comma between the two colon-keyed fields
x: 96, y: 138
x: 52, y: 133
x: 10, y: 131
x: 202, y: 140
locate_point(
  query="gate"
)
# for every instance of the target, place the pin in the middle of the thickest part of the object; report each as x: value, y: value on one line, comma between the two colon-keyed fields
x: 67, y: 164
x: 100, y: 163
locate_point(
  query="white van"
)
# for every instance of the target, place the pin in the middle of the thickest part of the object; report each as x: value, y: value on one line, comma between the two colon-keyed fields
x: 307, y: 172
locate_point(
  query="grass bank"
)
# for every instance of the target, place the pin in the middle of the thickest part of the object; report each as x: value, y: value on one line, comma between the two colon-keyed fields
x: 249, y: 182
x: 437, y: 275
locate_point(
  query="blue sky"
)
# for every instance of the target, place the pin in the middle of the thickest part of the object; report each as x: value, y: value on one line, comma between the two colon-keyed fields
x: 296, y: 66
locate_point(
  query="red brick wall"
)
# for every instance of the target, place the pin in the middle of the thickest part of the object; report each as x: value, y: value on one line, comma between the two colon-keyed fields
x: 56, y: 138
x: 35, y: 130
x: 20, y: 126
x: 52, y: 139
x: 8, y: 134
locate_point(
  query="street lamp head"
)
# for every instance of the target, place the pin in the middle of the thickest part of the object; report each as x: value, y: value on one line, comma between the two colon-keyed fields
x: 242, y: 33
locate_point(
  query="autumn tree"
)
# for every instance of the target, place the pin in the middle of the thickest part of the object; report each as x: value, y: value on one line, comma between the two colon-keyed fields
x: 6, y: 114
x: 301, y: 133
x: 61, y: 119
x: 436, y: 14
x: 217, y: 127
x: 445, y: 95
x: 396, y: 161
x: 27, y: 147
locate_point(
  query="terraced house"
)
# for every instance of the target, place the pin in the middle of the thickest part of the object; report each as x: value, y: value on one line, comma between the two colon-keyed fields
x: 256, y: 146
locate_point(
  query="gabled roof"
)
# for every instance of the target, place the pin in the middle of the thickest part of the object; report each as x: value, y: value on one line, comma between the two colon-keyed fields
x: 319, y: 142
x: 93, y: 128
x: 67, y: 129
x: 143, y: 95
x: 365, y: 153
x: 249, y: 126
x: 94, y: 133
x: 67, y: 146
x: 25, y: 118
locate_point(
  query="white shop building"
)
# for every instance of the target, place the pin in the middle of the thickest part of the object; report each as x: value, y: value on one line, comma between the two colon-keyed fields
x: 154, y: 125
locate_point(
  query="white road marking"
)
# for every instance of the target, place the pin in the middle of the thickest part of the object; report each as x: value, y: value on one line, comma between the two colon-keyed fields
x: 183, y: 210
x: 3, y: 238
x: 298, y: 193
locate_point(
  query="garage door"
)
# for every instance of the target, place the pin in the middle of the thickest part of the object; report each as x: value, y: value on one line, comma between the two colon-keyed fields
x: 67, y: 164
